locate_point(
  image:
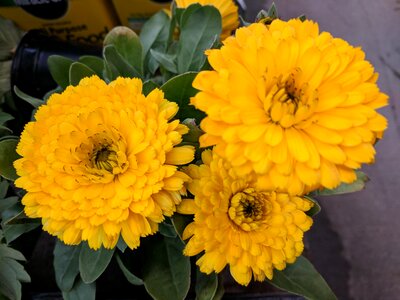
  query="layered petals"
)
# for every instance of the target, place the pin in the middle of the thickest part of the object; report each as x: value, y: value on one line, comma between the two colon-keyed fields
x: 99, y: 163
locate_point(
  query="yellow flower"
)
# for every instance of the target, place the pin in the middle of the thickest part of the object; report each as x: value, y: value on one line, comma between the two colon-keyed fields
x: 99, y: 162
x: 227, y: 8
x: 237, y: 223
x: 296, y: 106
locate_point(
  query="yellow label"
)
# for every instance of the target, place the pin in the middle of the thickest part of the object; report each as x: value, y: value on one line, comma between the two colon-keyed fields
x: 134, y: 13
x: 85, y: 21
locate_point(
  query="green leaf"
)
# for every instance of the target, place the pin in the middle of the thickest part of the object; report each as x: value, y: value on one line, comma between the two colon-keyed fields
x: 7, y: 252
x: 206, y: 285
x: 81, y: 291
x: 9, y: 284
x: 66, y: 265
x: 148, y: 86
x: 166, y: 272
x: 167, y: 229
x: 219, y: 293
x: 273, y: 11
x: 93, y: 263
x: 183, y: 14
x: 78, y: 71
x: 93, y: 62
x: 303, y: 279
x: 117, y: 64
x: 128, y: 45
x: 198, y: 33
x: 58, y: 90
x: 4, y: 130
x: 165, y: 60
x: 6, y: 203
x: 12, y: 273
x: 179, y: 89
x: 8, y: 155
x: 121, y: 245
x: 133, y: 279
x: 31, y: 100
x: 14, y: 231
x: 345, y: 188
x: 302, y: 18
x: 154, y: 35
x: 315, y: 209
x: 4, y: 117
x: 59, y: 69
x: 3, y: 189
x: 180, y: 222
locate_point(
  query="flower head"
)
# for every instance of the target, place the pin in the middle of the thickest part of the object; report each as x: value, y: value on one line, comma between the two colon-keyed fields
x: 292, y: 104
x: 99, y: 162
x: 227, y: 8
x: 237, y: 223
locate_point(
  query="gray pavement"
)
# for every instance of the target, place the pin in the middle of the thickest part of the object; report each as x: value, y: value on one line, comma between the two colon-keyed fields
x: 367, y: 223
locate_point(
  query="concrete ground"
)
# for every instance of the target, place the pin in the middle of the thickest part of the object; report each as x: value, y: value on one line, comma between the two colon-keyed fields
x: 357, y: 237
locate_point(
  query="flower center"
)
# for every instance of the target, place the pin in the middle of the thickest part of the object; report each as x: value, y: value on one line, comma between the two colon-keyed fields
x: 102, y: 156
x: 288, y: 103
x: 249, y: 209
x: 105, y: 159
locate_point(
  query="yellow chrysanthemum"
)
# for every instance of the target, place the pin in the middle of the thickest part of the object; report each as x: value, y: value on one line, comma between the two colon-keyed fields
x: 294, y: 105
x: 227, y: 8
x: 237, y: 223
x: 99, y: 162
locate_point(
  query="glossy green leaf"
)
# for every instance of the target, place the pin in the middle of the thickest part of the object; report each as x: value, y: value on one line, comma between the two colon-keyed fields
x: 345, y: 188
x: 154, y: 35
x: 78, y: 71
x: 148, y: 86
x: 8, y: 155
x: 165, y: 60
x: 166, y: 271
x: 303, y: 279
x: 198, y: 33
x: 93, y: 263
x: 81, y: 291
x: 179, y: 89
x: 206, y: 285
x: 59, y: 69
x: 66, y: 265
x: 133, y: 279
x: 315, y: 209
x: 93, y: 62
x: 31, y: 100
x: 128, y: 45
x: 117, y: 64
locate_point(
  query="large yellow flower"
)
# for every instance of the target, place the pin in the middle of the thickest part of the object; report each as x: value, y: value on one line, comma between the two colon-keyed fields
x: 100, y: 162
x: 295, y: 105
x: 227, y: 8
x: 237, y: 223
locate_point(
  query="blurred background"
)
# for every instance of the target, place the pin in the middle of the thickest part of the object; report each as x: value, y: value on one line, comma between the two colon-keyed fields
x: 355, y: 242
